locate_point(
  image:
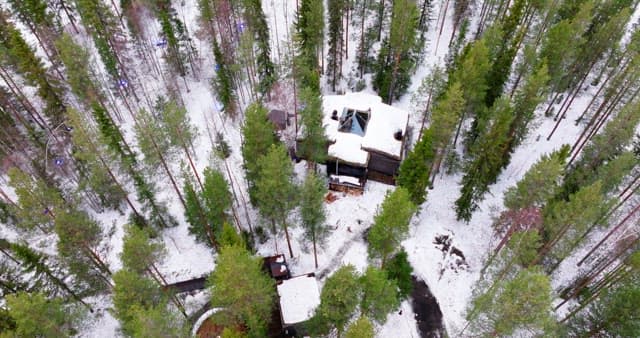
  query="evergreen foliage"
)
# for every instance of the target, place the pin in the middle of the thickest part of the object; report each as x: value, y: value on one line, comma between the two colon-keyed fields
x: 336, y: 10
x: 139, y: 252
x: 79, y: 236
x: 246, y: 293
x: 395, y: 61
x: 312, y: 212
x: 275, y: 192
x: 487, y: 163
x: 216, y: 202
x: 390, y: 225
x: 223, y: 83
x: 157, y: 321
x: 379, y: 294
x: 361, y: 328
x: 613, y: 314
x: 36, y: 200
x: 566, y: 221
x: 15, y: 51
x: 399, y: 269
x: 313, y: 148
x: 520, y: 303
x: 102, y: 24
x: 131, y: 293
x: 339, y: 298
x: 257, y: 23
x: 415, y: 170
x: 539, y: 184
x: 37, y: 316
x: 258, y: 136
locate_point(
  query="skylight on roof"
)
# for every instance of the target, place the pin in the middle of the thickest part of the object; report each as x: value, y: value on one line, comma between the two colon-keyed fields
x: 354, y: 121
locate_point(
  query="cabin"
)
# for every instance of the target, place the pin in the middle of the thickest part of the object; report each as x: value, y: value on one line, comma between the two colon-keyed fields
x: 280, y: 119
x: 366, y: 140
x: 299, y: 298
x: 276, y: 267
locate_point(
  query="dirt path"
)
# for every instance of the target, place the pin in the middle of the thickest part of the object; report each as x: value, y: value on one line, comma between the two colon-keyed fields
x: 340, y: 253
x: 427, y: 310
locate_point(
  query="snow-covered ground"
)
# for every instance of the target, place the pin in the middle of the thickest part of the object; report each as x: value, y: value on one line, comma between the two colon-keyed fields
x: 450, y: 279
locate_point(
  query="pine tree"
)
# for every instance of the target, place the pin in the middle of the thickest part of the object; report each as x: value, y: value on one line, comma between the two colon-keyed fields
x: 485, y: 167
x: 275, y: 192
x: 243, y: 290
x: 17, y: 53
x: 223, y: 83
x: 312, y: 212
x: 400, y: 270
x: 309, y: 35
x: 415, y: 170
x: 216, y: 202
x: 139, y: 252
x: 390, y: 225
x: 379, y: 294
x: 339, y: 298
x: 34, y: 194
x: 447, y: 111
x: 101, y: 23
x: 157, y: 321
x: 613, y: 314
x: 395, y: 62
x: 361, y: 328
x: 520, y: 303
x: 131, y: 292
x: 566, y: 221
x: 258, y: 135
x: 79, y: 237
x: 539, y: 184
x: 257, y: 23
x: 313, y: 148
x: 336, y: 10
x: 37, y: 316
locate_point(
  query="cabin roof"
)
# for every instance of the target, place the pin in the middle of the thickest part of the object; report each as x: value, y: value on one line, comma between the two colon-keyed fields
x: 299, y: 298
x: 363, y: 124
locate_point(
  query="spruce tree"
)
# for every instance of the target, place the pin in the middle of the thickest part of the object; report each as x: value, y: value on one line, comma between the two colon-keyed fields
x: 102, y: 24
x: 487, y: 163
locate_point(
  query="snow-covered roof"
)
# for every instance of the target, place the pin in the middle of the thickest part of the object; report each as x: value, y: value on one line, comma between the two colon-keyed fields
x: 299, y: 298
x: 384, y: 122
